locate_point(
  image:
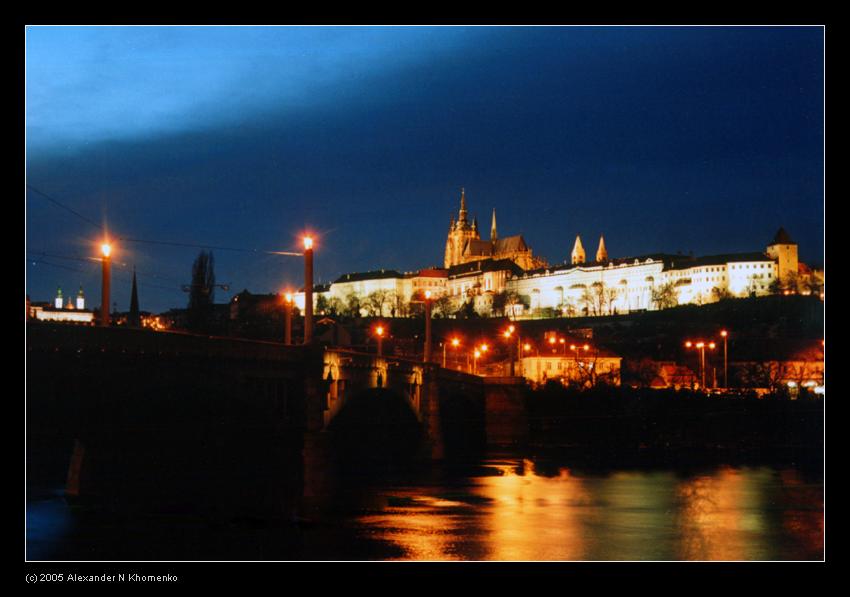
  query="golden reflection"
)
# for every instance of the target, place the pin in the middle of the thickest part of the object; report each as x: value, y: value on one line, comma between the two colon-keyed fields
x: 721, y: 516
x: 534, y: 517
x: 424, y: 528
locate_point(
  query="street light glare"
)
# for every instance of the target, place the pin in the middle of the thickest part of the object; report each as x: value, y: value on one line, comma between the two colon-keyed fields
x: 379, y: 330
x: 455, y: 342
x: 308, y: 243
x: 427, y: 294
x: 106, y: 249
x: 288, y: 297
x: 724, y: 333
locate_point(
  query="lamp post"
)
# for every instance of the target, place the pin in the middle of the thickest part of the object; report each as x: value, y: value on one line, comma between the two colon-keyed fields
x: 455, y: 344
x: 575, y: 348
x: 287, y: 308
x: 725, y: 334
x: 106, y: 250
x: 379, y: 332
x: 427, y: 357
x: 507, y: 334
x: 308, y: 290
x: 475, y: 356
x: 700, y: 346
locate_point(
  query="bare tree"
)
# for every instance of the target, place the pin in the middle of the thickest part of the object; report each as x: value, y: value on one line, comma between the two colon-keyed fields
x: 665, y: 296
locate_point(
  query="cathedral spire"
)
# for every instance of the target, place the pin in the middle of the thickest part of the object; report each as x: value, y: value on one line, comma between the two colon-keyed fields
x: 133, y: 318
x: 578, y: 255
x: 462, y: 214
x: 602, y: 252
x: 493, y: 226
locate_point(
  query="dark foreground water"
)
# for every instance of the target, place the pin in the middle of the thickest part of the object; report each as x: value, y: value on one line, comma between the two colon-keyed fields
x: 495, y: 509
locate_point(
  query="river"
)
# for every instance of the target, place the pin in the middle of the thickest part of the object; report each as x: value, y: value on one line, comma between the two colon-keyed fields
x: 499, y: 508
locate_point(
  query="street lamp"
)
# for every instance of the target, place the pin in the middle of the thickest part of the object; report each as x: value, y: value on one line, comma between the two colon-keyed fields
x: 507, y: 334
x: 455, y: 344
x: 106, y: 250
x: 475, y: 356
x: 700, y: 345
x: 308, y: 289
x: 287, y: 307
x: 427, y: 356
x: 575, y: 348
x: 725, y: 335
x: 379, y: 332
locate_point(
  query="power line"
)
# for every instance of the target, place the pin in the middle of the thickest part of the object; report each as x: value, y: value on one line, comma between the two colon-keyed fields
x: 159, y: 242
x: 65, y: 207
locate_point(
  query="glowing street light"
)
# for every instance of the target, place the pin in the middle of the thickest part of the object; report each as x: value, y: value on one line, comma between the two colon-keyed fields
x: 507, y: 334
x: 308, y: 289
x: 700, y: 345
x: 106, y: 250
x: 287, y: 307
x: 379, y: 332
x: 427, y: 355
x: 724, y: 334
x: 455, y: 342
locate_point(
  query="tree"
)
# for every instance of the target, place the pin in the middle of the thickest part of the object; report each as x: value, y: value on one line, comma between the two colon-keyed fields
x: 199, y: 314
x: 352, y: 305
x: 444, y: 306
x: 500, y: 300
x: 665, y: 296
x: 721, y: 293
x: 335, y: 306
x: 376, y: 301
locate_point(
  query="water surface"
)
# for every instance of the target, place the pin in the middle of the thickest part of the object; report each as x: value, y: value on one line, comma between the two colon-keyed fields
x: 495, y: 509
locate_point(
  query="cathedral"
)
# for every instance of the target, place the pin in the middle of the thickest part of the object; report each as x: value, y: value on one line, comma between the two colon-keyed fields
x: 464, y: 243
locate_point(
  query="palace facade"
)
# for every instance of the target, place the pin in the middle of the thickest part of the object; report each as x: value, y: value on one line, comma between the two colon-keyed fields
x: 502, y: 276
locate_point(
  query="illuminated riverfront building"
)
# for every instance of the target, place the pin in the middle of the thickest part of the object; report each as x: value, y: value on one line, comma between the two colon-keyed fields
x: 72, y: 311
x: 501, y: 276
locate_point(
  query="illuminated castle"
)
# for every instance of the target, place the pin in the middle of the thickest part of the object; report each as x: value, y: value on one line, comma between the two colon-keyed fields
x: 464, y: 243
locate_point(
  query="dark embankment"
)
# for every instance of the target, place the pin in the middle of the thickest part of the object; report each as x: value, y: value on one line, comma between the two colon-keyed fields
x: 634, y: 427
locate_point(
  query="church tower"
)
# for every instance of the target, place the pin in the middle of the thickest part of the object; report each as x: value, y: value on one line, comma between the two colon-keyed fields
x: 493, y: 227
x: 601, y: 252
x: 578, y: 252
x: 460, y: 233
x: 81, y: 300
x: 58, y: 302
x: 133, y: 318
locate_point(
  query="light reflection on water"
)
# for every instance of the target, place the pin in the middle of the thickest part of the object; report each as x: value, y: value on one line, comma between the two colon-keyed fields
x: 520, y: 514
x: 502, y: 509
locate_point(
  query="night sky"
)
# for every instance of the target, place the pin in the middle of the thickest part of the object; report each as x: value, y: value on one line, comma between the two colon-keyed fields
x: 662, y: 139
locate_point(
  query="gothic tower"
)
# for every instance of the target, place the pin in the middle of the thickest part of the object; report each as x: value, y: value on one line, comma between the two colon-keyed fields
x: 493, y: 227
x: 578, y: 255
x: 459, y: 233
x: 133, y: 318
x: 601, y: 252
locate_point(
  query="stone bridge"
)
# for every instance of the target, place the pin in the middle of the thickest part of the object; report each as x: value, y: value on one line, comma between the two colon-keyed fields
x: 143, y: 416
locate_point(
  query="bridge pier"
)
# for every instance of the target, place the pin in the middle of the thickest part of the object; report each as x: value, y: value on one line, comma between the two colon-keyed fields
x: 506, y: 419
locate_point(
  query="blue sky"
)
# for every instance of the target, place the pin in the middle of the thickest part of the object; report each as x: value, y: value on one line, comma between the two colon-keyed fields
x: 663, y: 139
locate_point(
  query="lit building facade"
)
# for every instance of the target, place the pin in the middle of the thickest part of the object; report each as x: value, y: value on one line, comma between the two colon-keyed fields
x: 478, y: 271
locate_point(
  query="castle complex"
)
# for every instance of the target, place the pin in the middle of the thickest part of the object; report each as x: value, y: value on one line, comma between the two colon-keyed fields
x: 502, y: 276
x: 464, y: 244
